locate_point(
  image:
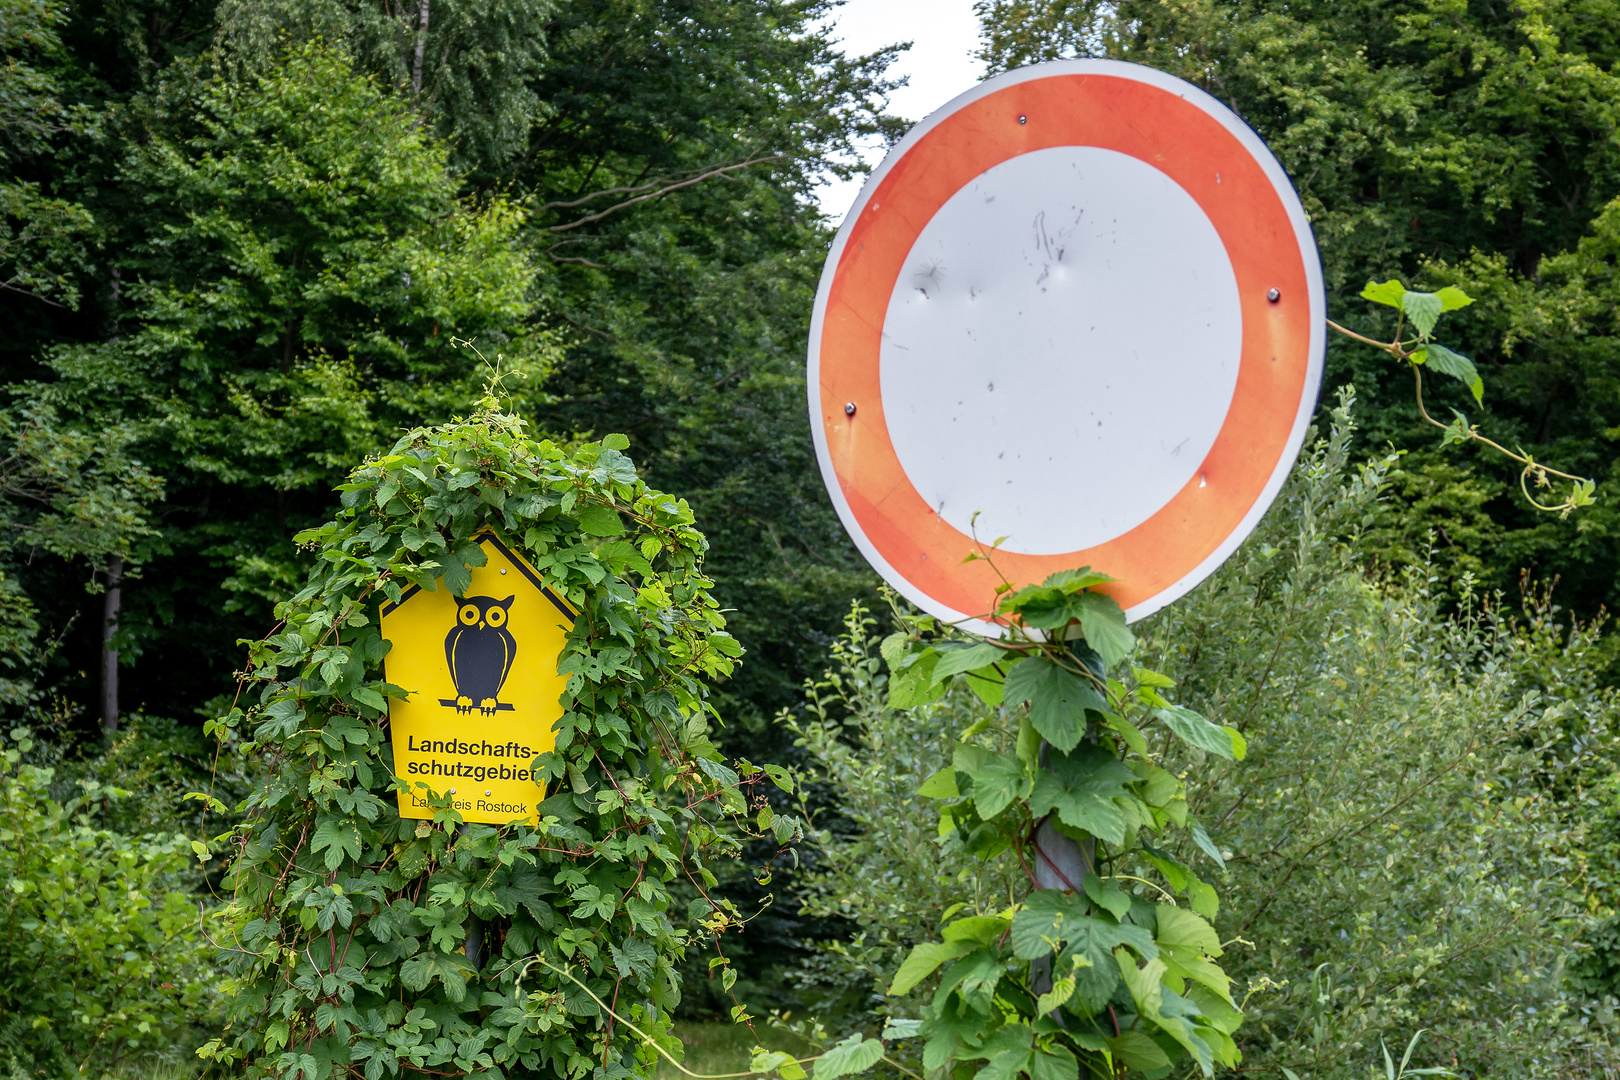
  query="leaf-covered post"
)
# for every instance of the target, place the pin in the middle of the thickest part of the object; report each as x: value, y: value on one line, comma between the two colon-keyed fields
x: 1109, y: 970
x: 347, y: 935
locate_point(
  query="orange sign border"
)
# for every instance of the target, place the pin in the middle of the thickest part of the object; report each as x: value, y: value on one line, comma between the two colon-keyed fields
x: 1179, y: 131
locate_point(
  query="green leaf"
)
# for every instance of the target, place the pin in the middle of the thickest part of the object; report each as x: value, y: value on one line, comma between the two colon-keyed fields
x: 1037, y: 928
x: 1441, y: 359
x: 972, y: 658
x: 1423, y: 308
x: 975, y: 929
x: 853, y: 1055
x: 365, y: 695
x: 615, y: 441
x: 942, y: 785
x: 598, y: 520
x: 1197, y: 732
x: 1205, y: 844
x: 1452, y: 298
x: 997, y: 782
x: 337, y: 838
x: 1055, y: 1062
x: 1103, y: 623
x: 1106, y: 894
x: 923, y: 960
x: 1135, y: 1050
x: 1388, y: 293
x: 1080, y: 788
x: 451, y: 969
x: 1057, y: 700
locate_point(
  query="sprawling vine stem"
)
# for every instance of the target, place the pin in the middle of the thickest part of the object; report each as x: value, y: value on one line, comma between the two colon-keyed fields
x: 1419, y: 350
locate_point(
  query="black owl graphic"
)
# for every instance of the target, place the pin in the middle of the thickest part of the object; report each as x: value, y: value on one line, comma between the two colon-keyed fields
x: 479, y: 650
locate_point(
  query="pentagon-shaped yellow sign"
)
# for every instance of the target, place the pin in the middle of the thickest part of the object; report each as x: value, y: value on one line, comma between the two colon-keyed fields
x: 480, y: 670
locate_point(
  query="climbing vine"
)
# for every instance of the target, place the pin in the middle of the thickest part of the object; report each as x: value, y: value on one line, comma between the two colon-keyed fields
x: 1112, y: 967
x: 362, y: 944
x: 1419, y: 351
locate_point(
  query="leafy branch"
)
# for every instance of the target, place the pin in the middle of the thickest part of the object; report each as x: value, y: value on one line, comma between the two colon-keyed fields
x: 1420, y: 350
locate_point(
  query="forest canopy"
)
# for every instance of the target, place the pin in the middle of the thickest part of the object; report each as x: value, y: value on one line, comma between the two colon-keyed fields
x: 243, y: 246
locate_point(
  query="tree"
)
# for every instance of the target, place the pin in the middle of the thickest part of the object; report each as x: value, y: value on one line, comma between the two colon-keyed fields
x: 1468, y: 144
x: 292, y: 288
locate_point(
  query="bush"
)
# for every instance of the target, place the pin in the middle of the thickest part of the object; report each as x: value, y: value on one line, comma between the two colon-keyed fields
x: 1406, y: 845
x: 103, y: 961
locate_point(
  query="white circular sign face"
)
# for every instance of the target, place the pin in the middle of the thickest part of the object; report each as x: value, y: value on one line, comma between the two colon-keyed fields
x: 1078, y: 308
x: 1020, y: 311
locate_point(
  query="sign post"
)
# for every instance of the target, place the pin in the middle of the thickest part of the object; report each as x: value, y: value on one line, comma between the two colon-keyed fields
x: 1076, y: 315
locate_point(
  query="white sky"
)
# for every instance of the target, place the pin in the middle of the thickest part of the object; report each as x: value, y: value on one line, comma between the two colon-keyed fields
x: 940, y: 63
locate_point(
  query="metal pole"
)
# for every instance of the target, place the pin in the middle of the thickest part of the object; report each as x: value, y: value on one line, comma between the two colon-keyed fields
x: 1060, y: 863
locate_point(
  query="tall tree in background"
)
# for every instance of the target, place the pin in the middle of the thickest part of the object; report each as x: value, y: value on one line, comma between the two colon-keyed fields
x: 617, y: 192
x: 1473, y: 143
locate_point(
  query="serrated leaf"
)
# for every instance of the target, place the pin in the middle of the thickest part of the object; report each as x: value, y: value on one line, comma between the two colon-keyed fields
x: 975, y: 929
x: 1057, y: 700
x: 1452, y: 298
x: 997, y: 782
x: 1388, y: 292
x: 1037, y: 929
x: 1135, y: 1050
x: 1423, y: 308
x: 972, y: 658
x: 1205, y: 844
x: 923, y: 960
x: 451, y: 969
x: 365, y: 695
x: 1197, y: 732
x: 1459, y: 367
x: 1080, y: 788
x: 1062, y: 990
x: 598, y: 520
x: 1106, y: 894
x: 1102, y: 621
x: 854, y: 1055
x: 337, y: 838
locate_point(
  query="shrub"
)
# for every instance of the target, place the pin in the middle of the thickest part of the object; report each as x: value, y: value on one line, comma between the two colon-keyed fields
x: 103, y: 960
x: 1406, y: 845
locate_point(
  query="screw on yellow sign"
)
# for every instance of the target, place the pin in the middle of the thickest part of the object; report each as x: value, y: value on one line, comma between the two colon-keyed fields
x: 480, y: 671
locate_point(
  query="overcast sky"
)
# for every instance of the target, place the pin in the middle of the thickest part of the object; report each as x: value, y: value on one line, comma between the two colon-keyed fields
x: 944, y: 34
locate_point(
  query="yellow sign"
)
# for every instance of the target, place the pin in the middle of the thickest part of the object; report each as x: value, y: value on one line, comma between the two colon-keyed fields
x: 480, y: 669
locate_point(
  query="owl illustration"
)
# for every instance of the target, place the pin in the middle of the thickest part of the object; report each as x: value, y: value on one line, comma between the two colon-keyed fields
x: 479, y: 651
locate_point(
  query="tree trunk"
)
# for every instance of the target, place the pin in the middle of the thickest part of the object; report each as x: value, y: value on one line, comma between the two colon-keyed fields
x: 421, y: 47
x: 112, y: 601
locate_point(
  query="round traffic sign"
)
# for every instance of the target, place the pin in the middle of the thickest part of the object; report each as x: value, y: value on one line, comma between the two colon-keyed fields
x: 1078, y: 308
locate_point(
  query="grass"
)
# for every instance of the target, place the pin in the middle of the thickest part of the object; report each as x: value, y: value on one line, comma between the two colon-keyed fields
x: 715, y: 1048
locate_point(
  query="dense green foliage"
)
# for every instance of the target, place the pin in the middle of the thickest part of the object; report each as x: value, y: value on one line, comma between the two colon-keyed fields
x: 103, y: 961
x: 363, y: 943
x: 293, y: 206
x: 237, y: 239
x: 1443, y: 143
x: 1419, y: 838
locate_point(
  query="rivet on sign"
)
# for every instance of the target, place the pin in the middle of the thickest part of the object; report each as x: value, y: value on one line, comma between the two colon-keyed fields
x: 452, y: 791
x: 1202, y: 480
x: 486, y: 793
x: 1274, y: 295
x: 503, y: 570
x: 1023, y: 119
x: 849, y: 408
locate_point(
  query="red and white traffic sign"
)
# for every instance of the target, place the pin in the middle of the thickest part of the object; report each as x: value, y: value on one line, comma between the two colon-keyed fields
x: 1078, y: 307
